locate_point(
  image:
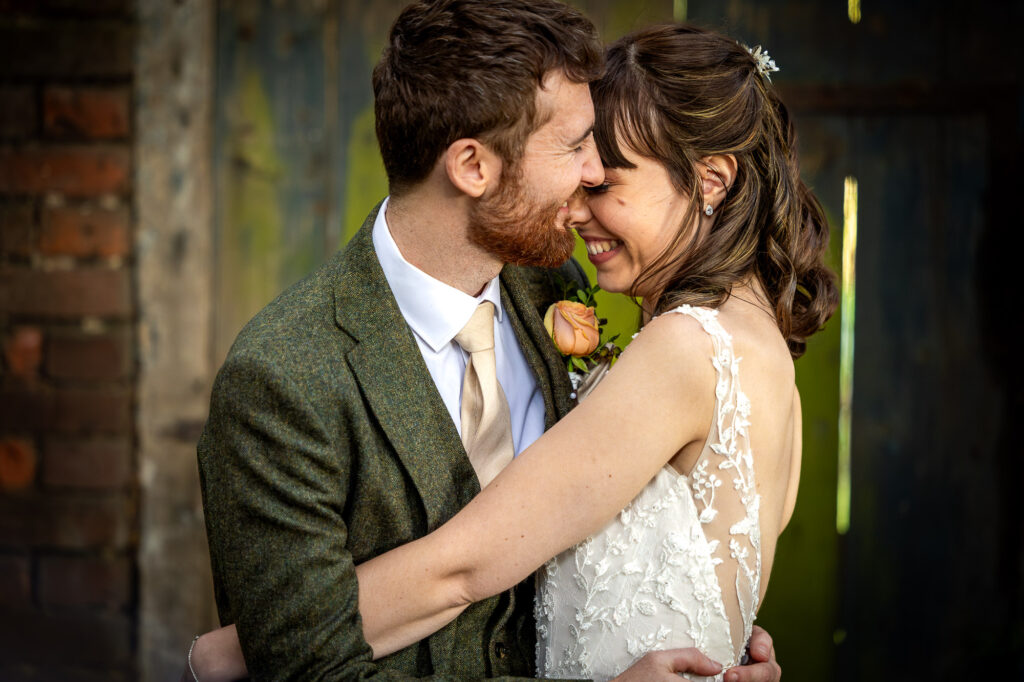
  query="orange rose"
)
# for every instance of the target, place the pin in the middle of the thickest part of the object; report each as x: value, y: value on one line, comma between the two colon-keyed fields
x: 573, y: 327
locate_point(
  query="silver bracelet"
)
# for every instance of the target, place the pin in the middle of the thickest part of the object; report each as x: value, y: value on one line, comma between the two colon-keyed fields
x: 190, y: 668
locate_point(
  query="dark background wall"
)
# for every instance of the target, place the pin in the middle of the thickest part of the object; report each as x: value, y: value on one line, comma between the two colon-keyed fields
x: 129, y: 250
x: 921, y: 103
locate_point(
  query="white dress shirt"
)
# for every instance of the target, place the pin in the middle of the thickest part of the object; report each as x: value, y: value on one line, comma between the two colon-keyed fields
x: 436, y: 312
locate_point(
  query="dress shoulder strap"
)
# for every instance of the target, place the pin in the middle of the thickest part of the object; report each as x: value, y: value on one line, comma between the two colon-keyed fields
x: 708, y: 318
x: 729, y: 513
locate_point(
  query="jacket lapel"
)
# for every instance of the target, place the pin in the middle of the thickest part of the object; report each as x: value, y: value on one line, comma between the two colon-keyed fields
x: 396, y: 384
x: 398, y: 388
x: 547, y: 363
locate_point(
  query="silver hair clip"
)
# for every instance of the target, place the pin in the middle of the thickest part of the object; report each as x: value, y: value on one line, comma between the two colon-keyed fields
x: 765, y: 64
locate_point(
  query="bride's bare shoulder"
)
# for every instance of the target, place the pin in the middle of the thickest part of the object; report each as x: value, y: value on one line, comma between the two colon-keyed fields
x: 666, y: 369
x: 756, y: 339
x: 674, y: 340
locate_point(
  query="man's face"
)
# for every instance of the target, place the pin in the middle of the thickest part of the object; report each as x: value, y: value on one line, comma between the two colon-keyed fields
x: 527, y: 219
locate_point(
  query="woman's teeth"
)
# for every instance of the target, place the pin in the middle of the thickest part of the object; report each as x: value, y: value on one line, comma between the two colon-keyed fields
x: 594, y: 248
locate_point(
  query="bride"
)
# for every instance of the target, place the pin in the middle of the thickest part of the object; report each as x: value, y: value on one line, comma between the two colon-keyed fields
x: 703, y: 215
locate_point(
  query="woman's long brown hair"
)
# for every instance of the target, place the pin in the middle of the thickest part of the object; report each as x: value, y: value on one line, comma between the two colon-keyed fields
x: 677, y: 94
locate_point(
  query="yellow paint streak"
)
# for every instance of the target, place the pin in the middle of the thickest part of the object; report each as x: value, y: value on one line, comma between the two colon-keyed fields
x: 331, y: 46
x: 249, y: 249
x: 367, y: 183
x: 848, y: 303
x: 679, y: 10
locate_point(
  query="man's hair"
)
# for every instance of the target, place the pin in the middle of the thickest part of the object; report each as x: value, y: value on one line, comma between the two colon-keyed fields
x: 454, y: 69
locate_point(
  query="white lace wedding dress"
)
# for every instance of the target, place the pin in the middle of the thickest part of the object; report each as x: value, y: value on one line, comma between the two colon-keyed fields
x: 680, y: 566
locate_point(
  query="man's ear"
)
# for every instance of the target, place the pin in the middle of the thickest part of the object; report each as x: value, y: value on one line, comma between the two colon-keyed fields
x: 471, y: 166
x: 717, y: 173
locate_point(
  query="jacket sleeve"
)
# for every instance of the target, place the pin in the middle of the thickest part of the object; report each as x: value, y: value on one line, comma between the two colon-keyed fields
x: 274, y: 483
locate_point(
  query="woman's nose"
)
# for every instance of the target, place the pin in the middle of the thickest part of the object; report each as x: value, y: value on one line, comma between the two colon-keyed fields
x: 579, y: 210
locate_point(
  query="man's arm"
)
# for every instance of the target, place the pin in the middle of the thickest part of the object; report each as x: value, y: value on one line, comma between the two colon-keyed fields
x: 763, y: 666
x: 219, y: 659
x: 276, y: 479
x: 273, y: 490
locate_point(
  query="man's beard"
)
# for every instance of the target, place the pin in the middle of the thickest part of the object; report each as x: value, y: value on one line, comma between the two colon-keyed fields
x: 512, y: 227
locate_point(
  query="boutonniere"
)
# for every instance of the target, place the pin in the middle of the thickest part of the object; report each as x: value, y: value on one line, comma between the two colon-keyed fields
x: 575, y: 329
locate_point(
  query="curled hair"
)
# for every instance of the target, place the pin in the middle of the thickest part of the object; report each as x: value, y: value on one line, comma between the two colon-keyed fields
x: 678, y: 93
x: 465, y: 68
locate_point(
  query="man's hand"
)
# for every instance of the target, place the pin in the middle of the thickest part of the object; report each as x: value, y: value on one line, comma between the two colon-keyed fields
x: 217, y: 657
x: 666, y: 666
x: 766, y: 669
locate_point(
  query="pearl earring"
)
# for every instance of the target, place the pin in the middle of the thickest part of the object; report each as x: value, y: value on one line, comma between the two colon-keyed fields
x: 708, y: 210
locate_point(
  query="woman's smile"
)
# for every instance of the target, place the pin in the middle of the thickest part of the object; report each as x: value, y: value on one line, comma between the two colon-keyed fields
x: 601, y: 250
x: 633, y: 218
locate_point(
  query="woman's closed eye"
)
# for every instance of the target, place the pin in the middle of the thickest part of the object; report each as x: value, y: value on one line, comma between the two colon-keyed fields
x: 597, y: 189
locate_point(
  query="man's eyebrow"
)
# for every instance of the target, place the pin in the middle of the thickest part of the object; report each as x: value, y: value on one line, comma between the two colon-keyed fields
x: 579, y: 140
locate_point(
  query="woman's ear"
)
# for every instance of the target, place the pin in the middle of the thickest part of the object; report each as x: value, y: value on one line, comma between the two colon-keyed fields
x: 717, y: 173
x: 471, y: 166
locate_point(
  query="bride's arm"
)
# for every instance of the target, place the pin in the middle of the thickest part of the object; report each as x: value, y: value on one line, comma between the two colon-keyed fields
x: 658, y: 398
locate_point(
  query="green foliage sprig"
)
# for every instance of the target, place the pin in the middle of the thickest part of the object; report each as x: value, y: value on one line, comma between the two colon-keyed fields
x: 608, y: 352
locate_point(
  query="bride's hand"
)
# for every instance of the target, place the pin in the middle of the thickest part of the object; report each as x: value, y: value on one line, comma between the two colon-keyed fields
x: 217, y: 657
x: 666, y: 666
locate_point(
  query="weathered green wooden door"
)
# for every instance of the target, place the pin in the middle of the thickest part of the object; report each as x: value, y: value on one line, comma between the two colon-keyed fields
x: 297, y: 167
x: 296, y: 159
x: 919, y: 104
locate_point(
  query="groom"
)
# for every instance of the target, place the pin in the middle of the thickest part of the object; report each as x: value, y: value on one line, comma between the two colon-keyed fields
x: 336, y: 428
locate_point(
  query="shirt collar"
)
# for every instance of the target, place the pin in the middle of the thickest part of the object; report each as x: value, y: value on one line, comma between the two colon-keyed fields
x: 435, y: 311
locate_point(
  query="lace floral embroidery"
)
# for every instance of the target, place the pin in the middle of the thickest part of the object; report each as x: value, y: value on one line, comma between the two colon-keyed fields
x: 731, y: 441
x: 650, y: 580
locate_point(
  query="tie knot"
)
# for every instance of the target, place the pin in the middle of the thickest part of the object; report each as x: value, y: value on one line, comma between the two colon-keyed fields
x: 478, y: 334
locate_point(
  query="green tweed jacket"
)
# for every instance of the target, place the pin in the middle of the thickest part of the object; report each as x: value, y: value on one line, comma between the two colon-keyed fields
x: 328, y: 444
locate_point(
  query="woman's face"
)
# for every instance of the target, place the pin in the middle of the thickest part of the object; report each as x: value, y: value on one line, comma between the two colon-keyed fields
x: 634, y: 216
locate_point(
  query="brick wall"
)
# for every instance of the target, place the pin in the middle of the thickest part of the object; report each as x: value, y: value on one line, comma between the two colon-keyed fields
x: 68, y: 491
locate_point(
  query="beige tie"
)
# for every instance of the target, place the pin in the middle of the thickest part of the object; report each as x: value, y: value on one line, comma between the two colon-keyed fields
x: 486, y: 424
